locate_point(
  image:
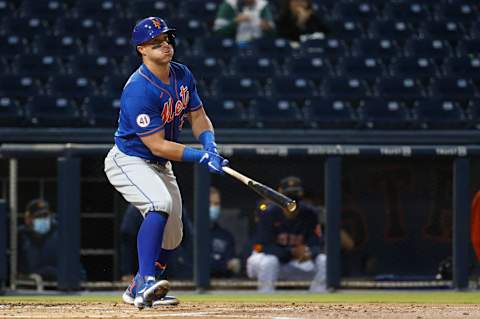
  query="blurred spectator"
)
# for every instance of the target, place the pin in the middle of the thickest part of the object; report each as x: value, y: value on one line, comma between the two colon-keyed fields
x: 181, y: 261
x: 297, y: 18
x: 38, y: 242
x: 223, y: 261
x: 244, y: 20
x: 288, y: 246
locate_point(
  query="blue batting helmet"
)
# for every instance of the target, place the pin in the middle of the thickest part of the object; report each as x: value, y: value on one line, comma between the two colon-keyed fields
x: 149, y: 28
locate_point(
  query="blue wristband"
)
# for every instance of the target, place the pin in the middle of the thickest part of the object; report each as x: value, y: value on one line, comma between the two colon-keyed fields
x: 191, y: 154
x: 207, y: 138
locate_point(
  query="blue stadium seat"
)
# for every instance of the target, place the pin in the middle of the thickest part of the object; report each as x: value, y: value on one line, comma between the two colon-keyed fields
x: 140, y: 9
x: 26, y: 27
x: 469, y: 48
x: 461, y: 11
x: 200, y: 8
x: 345, y: 87
x: 113, y: 85
x: 83, y: 27
x: 399, y: 88
x: 10, y: 112
x: 433, y: 48
x: 71, y: 86
x: 439, y: 114
x: 276, y: 113
x: 49, y: 9
x: 113, y: 46
x: 7, y: 9
x: 254, y: 66
x: 18, y: 86
x: 381, y: 48
x: 53, y: 111
x: 189, y: 28
x: 453, y: 88
x: 475, y: 30
x: 102, y: 10
x: 220, y: 47
x: 226, y: 113
x: 444, y: 29
x: 237, y: 88
x: 392, y: 29
x: 330, y: 48
x: 411, y: 11
x: 205, y: 67
x: 102, y: 111
x: 368, y: 68
x: 39, y: 66
x: 13, y: 45
x: 57, y: 45
x: 329, y: 113
x: 130, y: 64
x: 121, y: 26
x: 467, y: 67
x: 378, y: 113
x: 357, y: 10
x: 411, y: 67
x: 93, y: 66
x: 313, y: 68
x: 272, y: 47
x: 346, y: 29
x: 292, y: 87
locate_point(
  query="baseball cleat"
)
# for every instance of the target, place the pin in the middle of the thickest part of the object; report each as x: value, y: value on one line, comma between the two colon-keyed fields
x: 165, y: 301
x: 149, y: 291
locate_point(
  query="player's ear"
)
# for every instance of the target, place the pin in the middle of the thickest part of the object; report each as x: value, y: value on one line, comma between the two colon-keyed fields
x: 141, y: 50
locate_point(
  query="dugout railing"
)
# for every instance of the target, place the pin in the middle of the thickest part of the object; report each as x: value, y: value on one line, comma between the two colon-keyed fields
x: 68, y: 206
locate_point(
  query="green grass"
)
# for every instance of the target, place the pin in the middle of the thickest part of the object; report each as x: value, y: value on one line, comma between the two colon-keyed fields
x: 342, y: 297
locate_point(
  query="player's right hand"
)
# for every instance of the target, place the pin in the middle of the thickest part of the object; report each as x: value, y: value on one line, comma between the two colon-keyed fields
x: 214, y: 162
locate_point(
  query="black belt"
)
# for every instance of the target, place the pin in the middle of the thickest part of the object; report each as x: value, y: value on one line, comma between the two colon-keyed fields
x: 163, y: 164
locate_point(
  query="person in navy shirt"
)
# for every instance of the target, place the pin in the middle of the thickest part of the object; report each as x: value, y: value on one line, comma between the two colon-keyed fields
x: 156, y: 101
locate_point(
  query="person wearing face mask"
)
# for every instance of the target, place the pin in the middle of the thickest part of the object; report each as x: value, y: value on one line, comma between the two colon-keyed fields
x: 288, y: 246
x: 38, y: 242
x: 223, y: 262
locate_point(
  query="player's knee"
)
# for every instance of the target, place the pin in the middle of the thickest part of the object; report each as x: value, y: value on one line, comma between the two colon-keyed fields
x: 164, y: 205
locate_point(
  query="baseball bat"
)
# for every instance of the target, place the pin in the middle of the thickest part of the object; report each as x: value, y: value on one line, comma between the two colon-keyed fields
x: 266, y: 192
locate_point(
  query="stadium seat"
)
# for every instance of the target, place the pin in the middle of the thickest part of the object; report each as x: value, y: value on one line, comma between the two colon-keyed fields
x: 473, y: 111
x: 346, y: 29
x: 272, y: 47
x: 276, y: 113
x: 237, y: 88
x: 102, y: 10
x: 12, y: 45
x: 113, y: 46
x: 226, y: 113
x: 113, y: 85
x: 411, y: 11
x: 384, y: 49
x: 121, y: 26
x: 345, y: 87
x: 433, y: 48
x: 25, y: 27
x: 205, y: 67
x: 139, y: 9
x: 469, y: 48
x: 436, y: 113
x: 331, y: 48
x: 254, y: 66
x: 444, y: 30
x: 81, y: 28
x: 461, y: 11
x: 411, y: 67
x: 130, y: 64
x: 399, y: 88
x: 378, y: 113
x: 57, y: 45
x: 71, y: 86
x: 52, y: 111
x: 291, y: 87
x: 368, y: 68
x: 392, y: 29
x: 453, y: 88
x: 220, y: 47
x: 467, y: 67
x: 312, y: 68
x: 39, y: 66
x: 190, y: 29
x: 93, y: 66
x: 102, y: 111
x: 197, y: 8
x: 356, y: 10
x: 475, y: 30
x: 18, y: 86
x: 48, y: 9
x: 10, y: 112
x: 329, y: 113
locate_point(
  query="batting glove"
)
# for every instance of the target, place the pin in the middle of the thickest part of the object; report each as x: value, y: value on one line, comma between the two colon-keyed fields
x: 214, y: 162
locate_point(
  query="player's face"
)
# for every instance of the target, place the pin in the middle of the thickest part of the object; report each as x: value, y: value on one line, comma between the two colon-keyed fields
x: 157, y: 49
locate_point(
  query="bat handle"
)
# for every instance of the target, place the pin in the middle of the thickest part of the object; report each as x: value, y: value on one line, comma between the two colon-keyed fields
x: 230, y: 171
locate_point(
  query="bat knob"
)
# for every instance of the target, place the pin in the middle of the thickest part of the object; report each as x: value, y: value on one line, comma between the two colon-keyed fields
x: 292, y: 206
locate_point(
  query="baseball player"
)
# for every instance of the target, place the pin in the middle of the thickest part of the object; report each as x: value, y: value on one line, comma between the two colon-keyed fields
x: 156, y: 100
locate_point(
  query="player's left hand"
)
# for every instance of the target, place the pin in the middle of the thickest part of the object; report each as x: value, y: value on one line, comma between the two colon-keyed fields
x: 214, y: 162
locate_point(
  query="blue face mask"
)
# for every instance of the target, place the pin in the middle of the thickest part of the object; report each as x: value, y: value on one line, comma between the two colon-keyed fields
x: 41, y: 225
x: 214, y: 213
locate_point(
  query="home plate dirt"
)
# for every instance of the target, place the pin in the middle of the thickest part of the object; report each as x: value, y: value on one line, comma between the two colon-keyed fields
x: 237, y: 310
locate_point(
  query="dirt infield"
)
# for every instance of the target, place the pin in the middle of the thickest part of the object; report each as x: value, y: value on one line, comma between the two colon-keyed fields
x: 237, y: 310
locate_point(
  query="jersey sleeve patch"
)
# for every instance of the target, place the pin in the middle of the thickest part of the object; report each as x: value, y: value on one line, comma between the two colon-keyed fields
x: 143, y: 120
